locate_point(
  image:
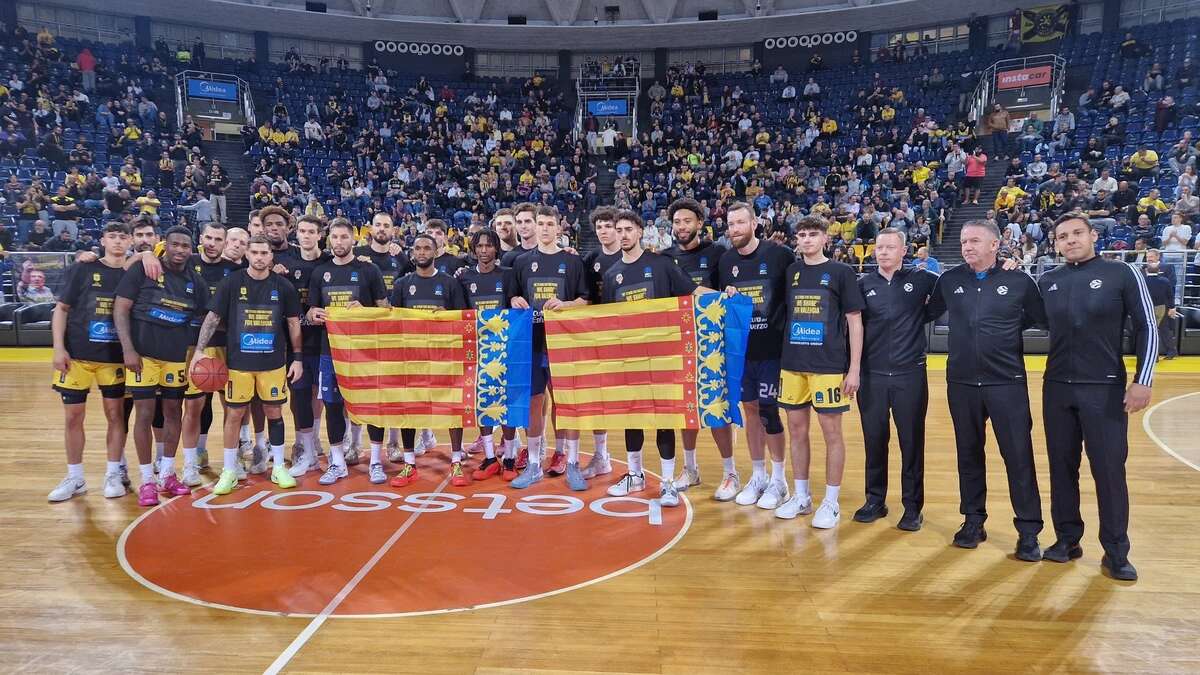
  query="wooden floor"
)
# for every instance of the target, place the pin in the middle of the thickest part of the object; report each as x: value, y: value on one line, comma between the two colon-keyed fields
x: 740, y: 592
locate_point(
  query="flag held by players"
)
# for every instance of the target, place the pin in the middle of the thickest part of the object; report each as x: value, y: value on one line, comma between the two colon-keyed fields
x: 671, y: 363
x: 415, y: 368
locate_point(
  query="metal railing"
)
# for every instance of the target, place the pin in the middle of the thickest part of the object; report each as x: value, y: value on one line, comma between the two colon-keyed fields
x: 985, y: 90
x: 244, y: 99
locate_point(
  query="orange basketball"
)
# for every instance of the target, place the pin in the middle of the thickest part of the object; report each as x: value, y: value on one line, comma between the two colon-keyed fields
x: 210, y: 374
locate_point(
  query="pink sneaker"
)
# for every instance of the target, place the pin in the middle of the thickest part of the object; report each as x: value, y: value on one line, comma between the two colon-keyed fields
x: 174, y: 487
x: 148, y: 494
x: 474, y: 448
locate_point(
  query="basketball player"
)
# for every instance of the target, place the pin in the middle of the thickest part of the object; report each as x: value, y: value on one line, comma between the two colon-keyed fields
x: 488, y: 286
x: 985, y: 373
x: 153, y: 319
x: 236, y: 241
x: 87, y: 351
x: 699, y: 260
x: 382, y: 250
x: 596, y: 263
x: 641, y: 275
x: 758, y: 268
x: 297, y: 266
x: 430, y: 289
x: 1085, y: 403
x: 822, y: 355
x: 344, y: 281
x: 526, y: 227
x: 260, y: 308
x: 547, y: 279
x: 504, y: 223
x: 446, y: 263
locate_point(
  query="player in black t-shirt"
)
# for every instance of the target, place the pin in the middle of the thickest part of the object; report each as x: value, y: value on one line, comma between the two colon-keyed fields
x: 261, y: 309
x: 547, y: 279
x: 699, y: 260
x: 87, y: 351
x: 488, y: 287
x: 504, y: 222
x: 641, y: 275
x: 425, y: 288
x: 154, y: 320
x: 297, y: 266
x: 757, y: 268
x: 822, y: 354
x: 446, y: 263
x: 525, y: 224
x: 344, y: 281
x: 596, y: 263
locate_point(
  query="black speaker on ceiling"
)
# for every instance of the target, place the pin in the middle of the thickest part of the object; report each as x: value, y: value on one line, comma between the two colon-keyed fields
x: 315, y: 7
x: 709, y: 15
x: 517, y: 20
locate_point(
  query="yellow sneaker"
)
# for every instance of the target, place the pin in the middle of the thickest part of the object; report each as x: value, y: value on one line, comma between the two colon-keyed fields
x: 226, y: 482
x: 281, y: 477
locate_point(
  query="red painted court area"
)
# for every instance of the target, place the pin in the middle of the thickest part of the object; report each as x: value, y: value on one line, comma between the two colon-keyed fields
x: 262, y: 549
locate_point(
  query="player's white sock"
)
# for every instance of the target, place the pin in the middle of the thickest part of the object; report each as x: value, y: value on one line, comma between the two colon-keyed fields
x: 356, y: 435
x: 166, y: 466
x: 600, y: 440
x: 728, y: 465
x: 689, y: 458
x: 147, y: 472
x: 376, y: 453
x: 801, y: 487
x: 455, y: 456
x: 190, y: 456
x: 535, y: 450
x: 336, y: 456
x: 112, y: 467
x: 510, y: 448
x: 75, y: 471
x: 489, y: 447
x: 668, y: 468
x: 230, y: 460
x: 573, y: 451
x: 831, y: 494
x: 308, y: 441
x: 277, y: 455
x: 202, y: 442
x: 778, y: 473
x: 759, y: 468
x: 634, y: 460
x: 244, y: 433
x: 393, y: 436
x: 260, y: 439
x: 410, y: 456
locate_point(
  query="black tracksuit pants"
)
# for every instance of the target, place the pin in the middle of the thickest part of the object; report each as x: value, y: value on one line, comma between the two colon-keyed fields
x: 1088, y: 417
x: 1007, y: 406
x: 903, y: 397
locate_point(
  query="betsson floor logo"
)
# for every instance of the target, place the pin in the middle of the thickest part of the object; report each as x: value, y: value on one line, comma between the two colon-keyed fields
x: 270, y: 551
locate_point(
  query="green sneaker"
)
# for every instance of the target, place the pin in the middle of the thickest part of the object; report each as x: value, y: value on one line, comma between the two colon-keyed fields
x: 226, y: 482
x: 281, y: 477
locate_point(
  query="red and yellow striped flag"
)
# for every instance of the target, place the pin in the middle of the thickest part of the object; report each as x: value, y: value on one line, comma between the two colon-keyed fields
x: 671, y: 363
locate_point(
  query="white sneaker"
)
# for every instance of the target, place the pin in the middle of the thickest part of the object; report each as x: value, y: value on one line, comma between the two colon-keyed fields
x: 426, y: 441
x: 669, y: 496
x: 628, y: 484
x: 689, y: 478
x: 258, y: 462
x: 191, y: 476
x: 241, y: 470
x: 395, y: 453
x: 775, y: 494
x: 333, y: 474
x: 798, y: 505
x: 113, y: 487
x: 753, y: 490
x: 728, y: 488
x: 598, y: 465
x: 376, y: 475
x: 69, y: 487
x: 827, y: 516
x: 303, y: 463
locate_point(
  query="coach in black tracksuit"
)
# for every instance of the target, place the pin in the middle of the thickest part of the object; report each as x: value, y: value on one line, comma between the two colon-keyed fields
x: 1085, y: 403
x: 894, y: 383
x: 989, y: 307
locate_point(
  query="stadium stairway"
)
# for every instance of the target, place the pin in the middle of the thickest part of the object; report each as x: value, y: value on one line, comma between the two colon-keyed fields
x: 606, y: 175
x: 237, y: 197
x: 949, y: 251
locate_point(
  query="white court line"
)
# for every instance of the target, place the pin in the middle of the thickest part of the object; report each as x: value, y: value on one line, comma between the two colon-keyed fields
x: 319, y: 620
x: 1158, y: 441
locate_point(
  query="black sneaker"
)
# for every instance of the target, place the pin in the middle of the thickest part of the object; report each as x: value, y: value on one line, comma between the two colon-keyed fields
x: 1119, y: 568
x: 1028, y: 549
x: 970, y: 535
x: 911, y: 521
x: 1062, y: 551
x: 871, y: 512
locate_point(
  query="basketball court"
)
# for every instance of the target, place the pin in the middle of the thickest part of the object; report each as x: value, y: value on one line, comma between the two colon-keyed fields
x: 484, y: 579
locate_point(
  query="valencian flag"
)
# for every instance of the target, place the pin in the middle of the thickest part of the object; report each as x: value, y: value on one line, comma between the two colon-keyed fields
x: 1041, y: 24
x: 416, y: 368
x: 670, y: 363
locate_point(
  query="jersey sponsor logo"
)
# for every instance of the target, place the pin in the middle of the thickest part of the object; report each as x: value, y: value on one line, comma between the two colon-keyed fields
x: 958, y: 291
x: 169, y: 316
x: 274, y: 295
x: 825, y: 279
x: 1002, y: 290
x: 646, y: 273
x: 189, y: 288
x: 703, y: 262
x: 499, y: 287
x: 908, y: 288
x: 562, y: 268
x: 437, y: 290
x: 258, y: 342
x: 762, y: 269
x: 102, y: 331
x: 807, y: 333
x: 354, y: 277
x: 1095, y: 284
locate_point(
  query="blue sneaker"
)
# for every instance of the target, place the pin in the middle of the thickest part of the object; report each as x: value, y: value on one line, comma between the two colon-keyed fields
x: 531, y: 474
x: 575, y: 479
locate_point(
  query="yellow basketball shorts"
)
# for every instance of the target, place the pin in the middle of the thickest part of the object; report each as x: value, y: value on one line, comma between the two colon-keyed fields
x: 822, y: 391
x: 270, y: 386
x: 77, y: 381
x: 168, y: 377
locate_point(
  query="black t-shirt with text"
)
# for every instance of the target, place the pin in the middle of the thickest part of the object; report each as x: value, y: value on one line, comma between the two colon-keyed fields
x: 762, y: 276
x: 487, y: 290
x: 818, y: 299
x: 334, y: 285
x: 299, y: 272
x: 89, y: 290
x: 700, y: 263
x: 166, y: 310
x: 649, y: 277
x: 509, y: 259
x: 214, y: 273
x: 256, y: 312
x: 541, y: 276
x: 392, y: 267
x: 440, y: 291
